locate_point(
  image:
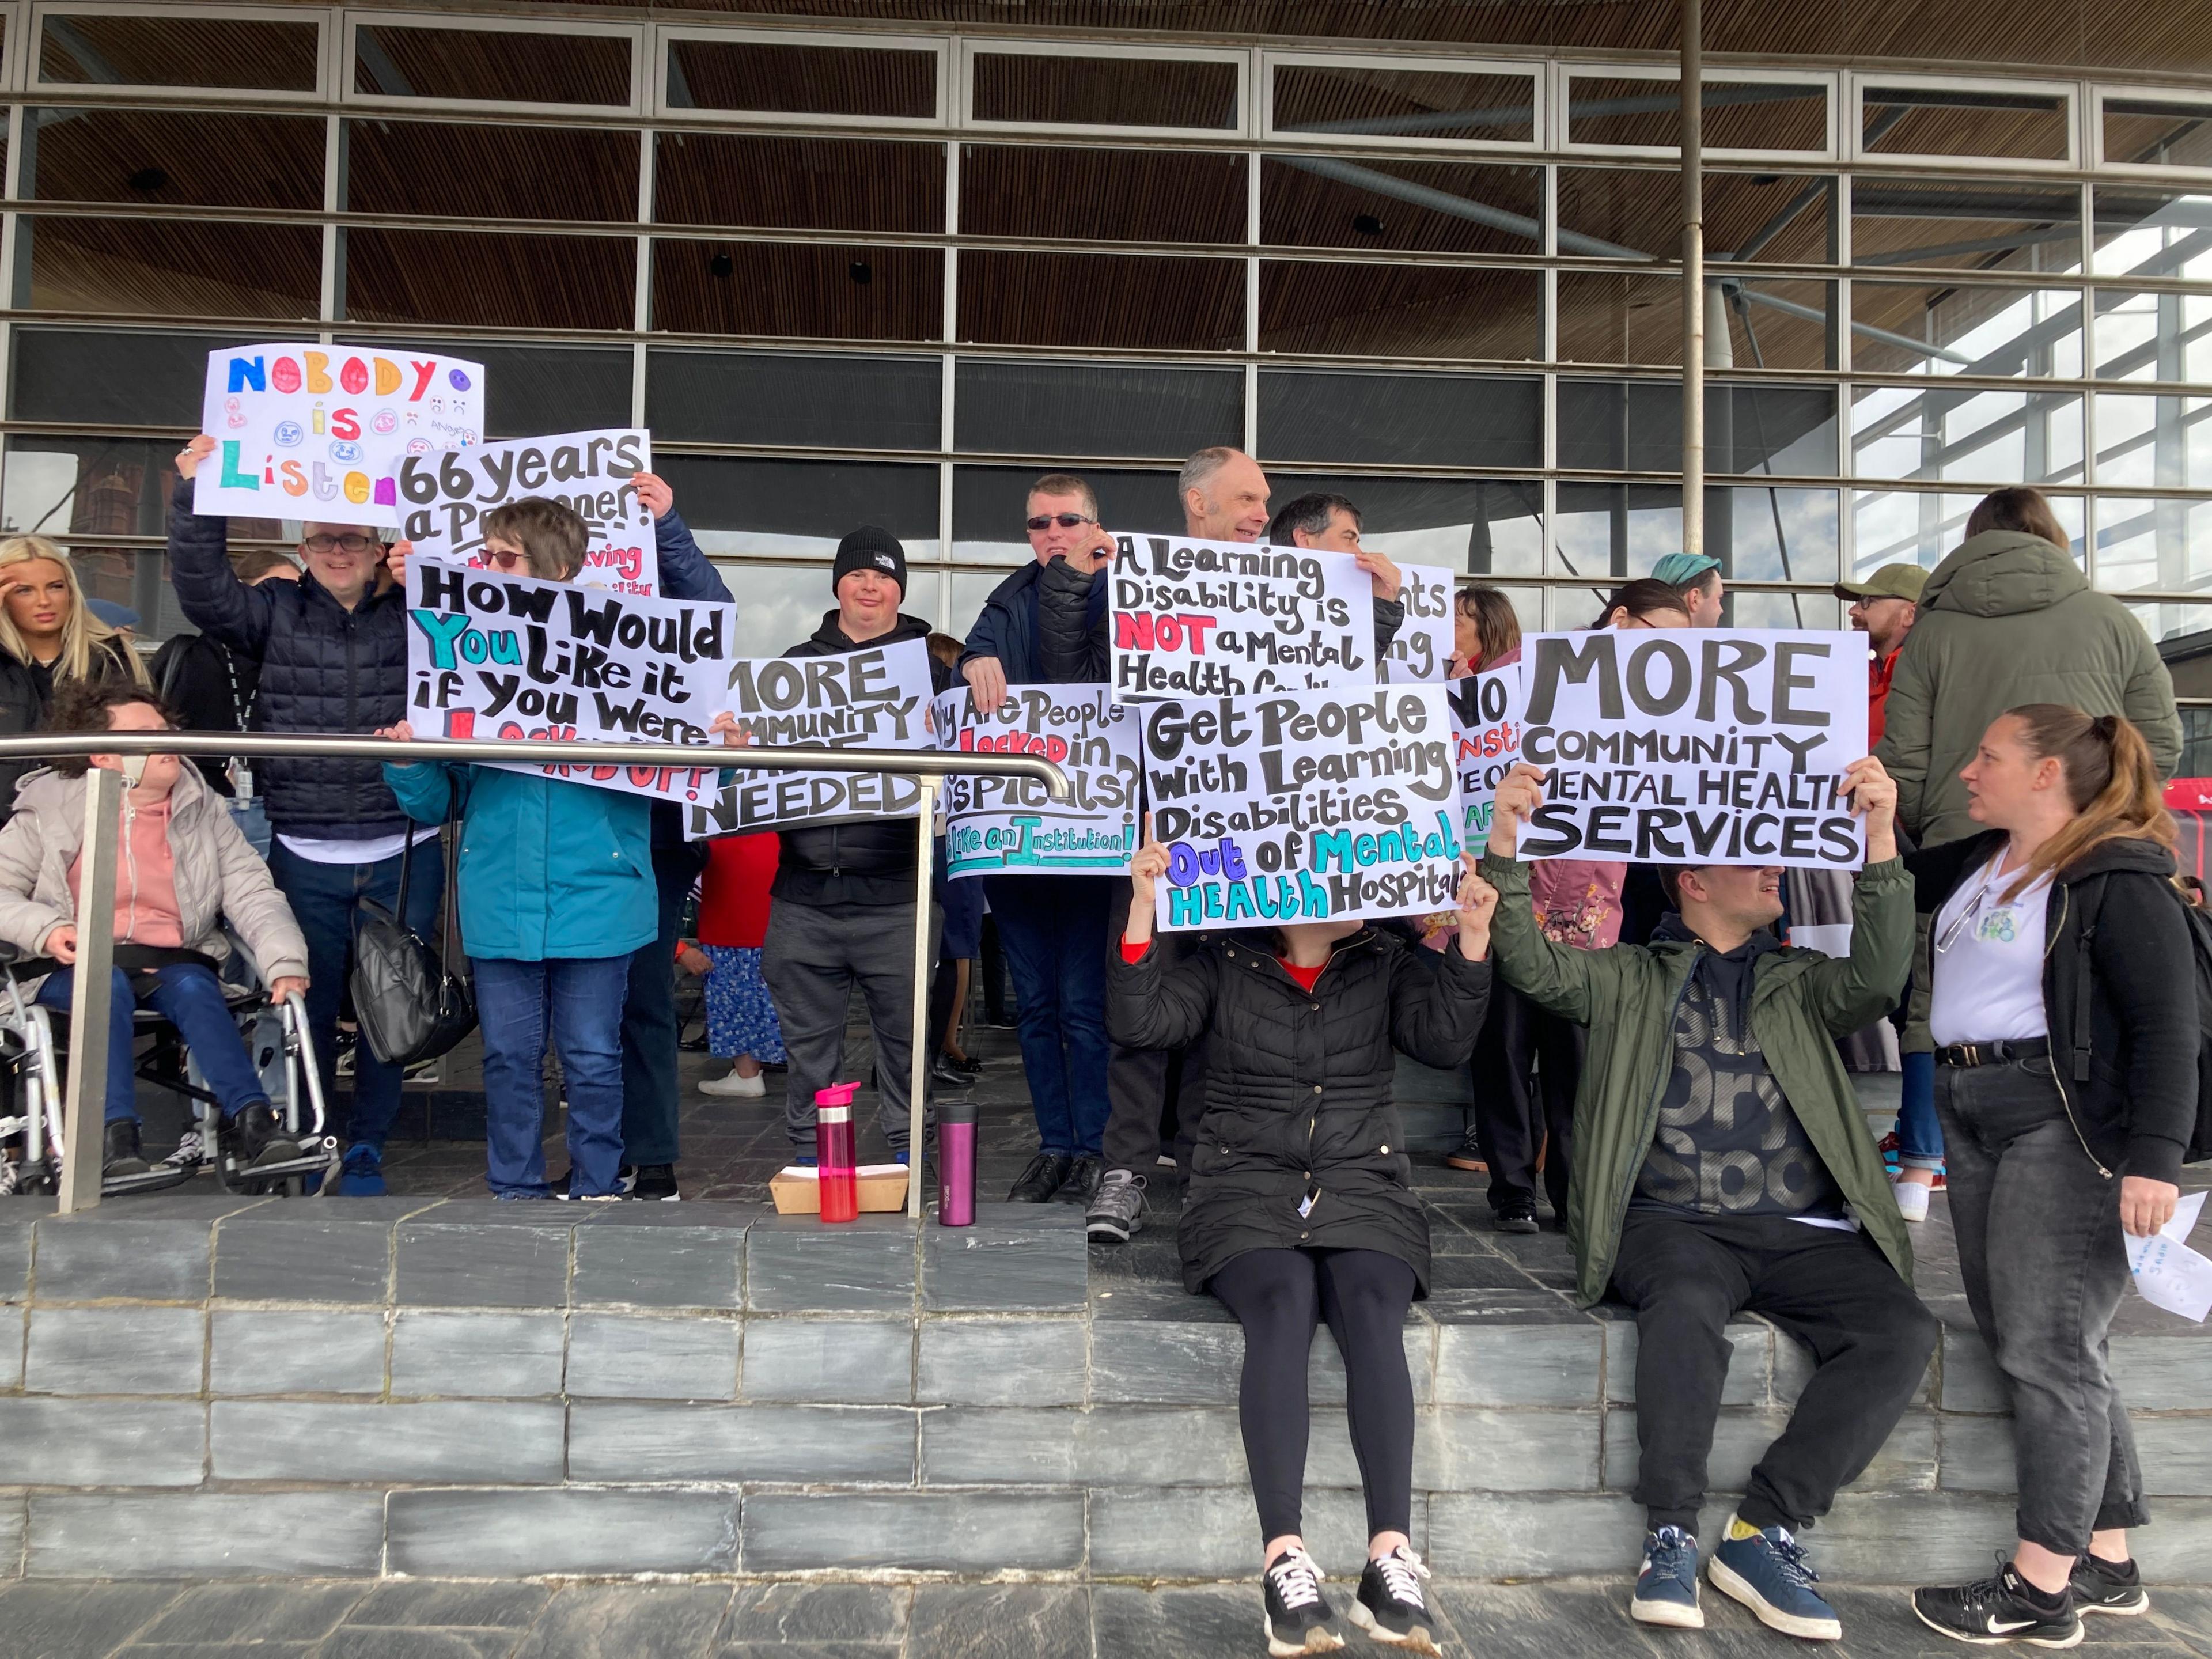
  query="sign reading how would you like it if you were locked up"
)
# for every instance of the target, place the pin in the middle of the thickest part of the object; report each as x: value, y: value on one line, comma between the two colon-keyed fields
x: 1674, y: 746
x: 1229, y: 619
x: 1338, y: 802
x: 1013, y: 826
x: 443, y: 498
x: 317, y: 432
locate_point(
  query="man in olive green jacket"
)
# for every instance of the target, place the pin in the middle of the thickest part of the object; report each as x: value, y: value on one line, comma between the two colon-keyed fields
x: 1720, y: 1162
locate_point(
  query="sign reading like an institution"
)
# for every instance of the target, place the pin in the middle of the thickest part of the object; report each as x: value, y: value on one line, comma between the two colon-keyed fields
x: 1229, y: 619
x: 1011, y: 826
x: 444, y: 498
x: 1486, y: 741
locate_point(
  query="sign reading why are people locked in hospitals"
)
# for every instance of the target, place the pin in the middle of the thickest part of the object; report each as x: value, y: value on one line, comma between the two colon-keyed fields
x: 1421, y: 650
x: 443, y: 498
x: 1674, y: 746
x: 875, y: 697
x: 1304, y: 805
x: 308, y: 431
x: 1013, y: 826
x: 1229, y: 619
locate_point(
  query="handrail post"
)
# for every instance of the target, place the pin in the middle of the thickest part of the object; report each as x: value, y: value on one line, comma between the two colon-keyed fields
x: 92, y: 1006
x: 918, y: 1075
x: 1693, y: 280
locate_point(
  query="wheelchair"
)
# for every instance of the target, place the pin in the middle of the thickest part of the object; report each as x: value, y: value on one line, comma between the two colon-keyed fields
x: 34, y: 1071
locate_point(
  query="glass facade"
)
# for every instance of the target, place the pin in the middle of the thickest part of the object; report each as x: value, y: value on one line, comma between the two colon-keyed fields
x: 868, y: 276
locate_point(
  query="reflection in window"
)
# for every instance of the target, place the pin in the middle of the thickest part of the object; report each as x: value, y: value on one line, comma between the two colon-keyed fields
x: 1614, y: 531
x: 1101, y: 299
x: 800, y: 184
x: 1357, y: 101
x: 2154, y: 443
x: 988, y: 503
x: 2152, y: 233
x: 104, y: 377
x: 2178, y: 622
x: 1449, y: 207
x: 495, y: 281
x: 1338, y: 308
x: 1908, y: 120
x: 741, y: 506
x: 1410, y: 420
x: 531, y: 389
x: 2157, y: 132
x: 1737, y: 114
x: 1091, y: 90
x: 174, y: 267
x: 493, y: 67
x: 2147, y: 545
x: 1981, y: 226
x: 1094, y: 194
x: 1987, y: 437
x: 845, y: 401
x: 777, y: 77
x: 1891, y: 526
x: 476, y: 170
x: 207, y: 158
x: 1635, y: 426
x: 197, y: 50
x: 1023, y: 406
x: 2153, y: 335
x: 805, y: 291
x: 1488, y: 526
x: 1903, y: 329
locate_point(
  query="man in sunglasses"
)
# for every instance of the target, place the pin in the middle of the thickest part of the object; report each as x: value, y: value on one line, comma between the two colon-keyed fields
x: 332, y: 651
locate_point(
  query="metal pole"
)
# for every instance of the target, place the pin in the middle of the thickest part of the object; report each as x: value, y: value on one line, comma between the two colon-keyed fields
x: 90, y: 1008
x: 918, y: 1075
x: 1693, y: 281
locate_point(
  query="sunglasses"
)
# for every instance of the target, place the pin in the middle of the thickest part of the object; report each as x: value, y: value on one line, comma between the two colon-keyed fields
x: 332, y: 543
x: 508, y: 561
x: 1065, y: 520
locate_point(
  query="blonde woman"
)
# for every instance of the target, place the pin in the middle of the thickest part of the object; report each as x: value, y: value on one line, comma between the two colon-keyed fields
x: 48, y: 637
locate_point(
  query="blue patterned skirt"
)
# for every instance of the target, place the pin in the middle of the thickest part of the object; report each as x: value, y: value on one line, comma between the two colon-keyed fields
x: 740, y: 1018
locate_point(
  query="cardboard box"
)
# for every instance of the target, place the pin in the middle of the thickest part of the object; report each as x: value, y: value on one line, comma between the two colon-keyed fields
x: 798, y: 1190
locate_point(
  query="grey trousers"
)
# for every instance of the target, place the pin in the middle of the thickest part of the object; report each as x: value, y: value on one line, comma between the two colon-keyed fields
x: 811, y: 960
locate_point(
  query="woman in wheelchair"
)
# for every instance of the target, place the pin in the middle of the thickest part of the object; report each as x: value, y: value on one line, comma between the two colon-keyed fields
x: 182, y: 868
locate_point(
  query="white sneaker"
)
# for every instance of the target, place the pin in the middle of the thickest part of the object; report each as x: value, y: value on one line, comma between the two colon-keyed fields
x: 1912, y: 1198
x: 742, y: 1088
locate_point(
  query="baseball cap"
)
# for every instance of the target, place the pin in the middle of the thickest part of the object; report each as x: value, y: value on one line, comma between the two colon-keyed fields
x: 1892, y: 581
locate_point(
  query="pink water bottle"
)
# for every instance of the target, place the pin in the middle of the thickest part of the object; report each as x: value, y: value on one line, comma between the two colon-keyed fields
x: 956, y: 1164
x: 838, y: 1173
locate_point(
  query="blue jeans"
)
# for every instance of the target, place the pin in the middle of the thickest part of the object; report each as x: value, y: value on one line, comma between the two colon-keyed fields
x: 188, y: 996
x: 1053, y: 930
x: 581, y: 999
x: 1919, y: 1136
x: 327, y: 900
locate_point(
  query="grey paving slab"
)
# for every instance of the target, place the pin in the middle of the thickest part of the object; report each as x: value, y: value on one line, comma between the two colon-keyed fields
x: 96, y: 1257
x: 256, y: 1614
x: 93, y: 1351
x: 814, y: 1613
x: 110, y: 1443
x: 502, y: 1355
x: 15, y: 1322
x: 1172, y: 1364
x: 2185, y: 1616
x: 617, y: 1441
x: 1509, y: 1451
x: 1001, y: 1264
x: 293, y: 1258
x: 1906, y: 1462
x: 657, y: 1621
x: 483, y: 1262
x: 15, y: 1235
x: 1751, y: 1362
x: 1507, y: 1535
x: 378, y: 1642
x: 527, y: 1534
x: 216, y: 1650
x: 1498, y: 1365
x: 2169, y: 1372
x: 15, y: 1522
x: 854, y: 1361
x: 964, y: 1532
x: 420, y: 1602
x: 262, y: 1534
x: 78, y: 1621
x: 1107, y: 1446
x: 1000, y: 1621
x: 1014, y: 1361
x: 632, y: 1357
x: 794, y: 1264
x: 510, y: 1442
x: 1197, y: 1623
x: 1213, y: 1532
x: 822, y: 1651
x: 296, y: 1351
x: 660, y: 1266
x: 1543, y: 1621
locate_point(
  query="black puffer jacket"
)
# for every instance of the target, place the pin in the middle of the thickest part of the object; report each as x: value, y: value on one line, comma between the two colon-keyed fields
x: 324, y: 668
x: 1298, y: 1086
x: 27, y: 689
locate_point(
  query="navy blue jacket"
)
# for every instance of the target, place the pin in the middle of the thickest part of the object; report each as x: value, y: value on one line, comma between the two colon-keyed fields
x: 685, y: 574
x: 1008, y: 629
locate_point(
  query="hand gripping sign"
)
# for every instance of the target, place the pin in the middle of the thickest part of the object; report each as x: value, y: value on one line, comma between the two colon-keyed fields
x: 1013, y: 826
x: 443, y: 500
x: 1227, y: 619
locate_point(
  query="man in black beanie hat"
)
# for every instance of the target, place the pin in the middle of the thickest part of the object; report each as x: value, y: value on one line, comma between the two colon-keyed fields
x: 844, y: 893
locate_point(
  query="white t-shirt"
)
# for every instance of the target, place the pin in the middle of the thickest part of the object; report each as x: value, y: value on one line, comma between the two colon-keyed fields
x: 1988, y: 956
x: 374, y: 850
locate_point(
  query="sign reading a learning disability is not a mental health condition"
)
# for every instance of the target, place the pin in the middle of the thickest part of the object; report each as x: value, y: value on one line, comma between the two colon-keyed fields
x: 443, y: 498
x: 1229, y: 619
x: 1011, y: 826
x: 1307, y: 805
x: 1712, y: 746
x: 306, y: 431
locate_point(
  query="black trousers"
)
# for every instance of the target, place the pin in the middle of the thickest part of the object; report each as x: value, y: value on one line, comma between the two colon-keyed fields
x: 1834, y: 1292
x: 1516, y: 1114
x: 648, y: 1026
x: 1280, y: 1296
x: 1155, y: 1095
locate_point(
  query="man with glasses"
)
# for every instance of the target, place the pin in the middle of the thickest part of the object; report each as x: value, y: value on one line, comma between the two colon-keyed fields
x: 332, y: 651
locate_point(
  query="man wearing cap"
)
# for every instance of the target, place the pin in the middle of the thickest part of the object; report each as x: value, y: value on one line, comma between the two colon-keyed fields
x: 1884, y: 607
x: 844, y: 893
x: 1697, y: 578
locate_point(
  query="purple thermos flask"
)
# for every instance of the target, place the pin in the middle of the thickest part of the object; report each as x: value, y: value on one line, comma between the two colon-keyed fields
x: 956, y: 1164
x: 839, y: 1174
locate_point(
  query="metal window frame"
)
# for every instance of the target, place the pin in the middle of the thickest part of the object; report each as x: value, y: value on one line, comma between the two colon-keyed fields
x: 2099, y: 92
x: 972, y: 46
x: 352, y: 20
x: 1538, y: 100
x: 1824, y: 80
x: 25, y: 75
x: 939, y: 47
x: 1858, y: 82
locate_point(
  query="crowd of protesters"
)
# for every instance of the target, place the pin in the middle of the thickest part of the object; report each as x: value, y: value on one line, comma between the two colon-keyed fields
x: 1637, y: 1037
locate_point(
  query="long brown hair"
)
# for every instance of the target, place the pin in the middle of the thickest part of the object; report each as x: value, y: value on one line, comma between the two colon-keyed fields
x: 1497, y: 624
x: 2111, y: 783
x: 2022, y: 509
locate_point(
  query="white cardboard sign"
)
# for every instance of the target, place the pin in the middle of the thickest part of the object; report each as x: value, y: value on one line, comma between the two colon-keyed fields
x: 1486, y: 743
x: 443, y: 498
x: 1420, y: 652
x: 1013, y: 826
x: 1231, y: 619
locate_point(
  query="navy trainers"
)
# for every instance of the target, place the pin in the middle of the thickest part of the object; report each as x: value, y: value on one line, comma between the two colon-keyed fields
x: 1298, y: 1618
x: 1766, y: 1570
x: 1667, y: 1584
x: 361, y: 1174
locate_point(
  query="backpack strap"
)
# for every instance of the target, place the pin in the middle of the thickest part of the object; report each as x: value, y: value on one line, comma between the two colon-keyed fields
x: 2082, y: 982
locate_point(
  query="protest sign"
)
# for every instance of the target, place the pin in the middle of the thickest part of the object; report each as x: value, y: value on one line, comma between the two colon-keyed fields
x: 1013, y: 826
x: 1302, y: 806
x: 1421, y: 650
x: 444, y: 498
x: 1672, y: 746
x: 1485, y: 742
x: 318, y: 432
x: 877, y: 697
x: 1230, y: 619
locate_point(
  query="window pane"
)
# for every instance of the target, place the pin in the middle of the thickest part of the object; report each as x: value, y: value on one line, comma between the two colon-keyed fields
x: 1635, y: 426
x: 1488, y: 526
x: 783, y: 603
x: 1101, y: 299
x: 496, y: 67
x: 95, y: 486
x: 1027, y: 407
x: 1917, y: 528
x: 500, y: 281
x: 810, y: 292
x: 1412, y: 103
x: 2148, y: 545
x: 2153, y: 337
x: 1101, y: 195
x: 1414, y: 420
x: 1400, y: 310
x: 1099, y: 91
x: 1449, y: 207
x: 738, y: 505
x: 2151, y: 232
x: 1614, y: 531
x: 1738, y: 114
x: 483, y: 171
x: 798, y: 184
x: 2153, y: 132
x: 530, y: 389
x: 2177, y: 621
x: 1989, y: 226
x: 1780, y: 218
x: 1940, y: 121
x: 119, y: 378
x: 2154, y: 443
x: 173, y: 267
x: 1989, y: 437
x: 193, y: 51
x: 1607, y: 319
x: 207, y: 158
x: 1620, y: 212
x: 988, y: 503
x: 801, y: 78
x: 1904, y: 329
x: 842, y: 402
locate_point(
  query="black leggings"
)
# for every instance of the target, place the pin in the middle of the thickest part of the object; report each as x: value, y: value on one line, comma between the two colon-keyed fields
x: 1278, y: 1297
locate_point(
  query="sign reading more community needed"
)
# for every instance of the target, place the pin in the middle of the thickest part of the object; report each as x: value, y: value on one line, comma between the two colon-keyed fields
x: 1338, y: 802
x: 1674, y: 746
x: 1013, y: 826
x: 444, y: 497
x: 318, y: 432
x: 1228, y: 619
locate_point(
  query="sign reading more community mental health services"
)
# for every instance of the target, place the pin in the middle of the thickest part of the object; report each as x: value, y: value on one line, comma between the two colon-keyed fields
x: 444, y: 497
x: 1013, y: 826
x: 1421, y: 651
x: 1338, y: 802
x: 1227, y: 619
x: 1674, y: 746
x: 306, y: 431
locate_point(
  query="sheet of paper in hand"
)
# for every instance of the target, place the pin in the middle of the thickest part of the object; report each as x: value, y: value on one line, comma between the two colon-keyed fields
x: 1229, y: 619
x: 1013, y: 826
x: 306, y: 431
x: 1302, y: 806
x: 877, y: 697
x: 1486, y: 741
x: 1421, y: 650
x: 1706, y: 745
x: 443, y: 500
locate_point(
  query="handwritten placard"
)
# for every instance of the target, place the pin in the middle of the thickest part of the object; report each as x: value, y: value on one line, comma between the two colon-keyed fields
x: 1421, y: 650
x: 444, y: 498
x: 1013, y: 826
x: 1229, y: 619
x: 1486, y: 743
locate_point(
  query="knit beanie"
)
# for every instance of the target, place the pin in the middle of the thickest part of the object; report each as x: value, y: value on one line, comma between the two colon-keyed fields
x: 870, y: 549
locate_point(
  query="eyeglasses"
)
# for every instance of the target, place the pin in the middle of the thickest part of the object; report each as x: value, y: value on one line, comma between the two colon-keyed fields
x: 332, y: 543
x: 508, y: 561
x: 1065, y: 520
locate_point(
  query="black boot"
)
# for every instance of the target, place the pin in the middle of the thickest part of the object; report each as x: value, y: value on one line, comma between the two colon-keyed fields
x: 257, y: 1138
x: 1042, y: 1178
x: 121, y: 1155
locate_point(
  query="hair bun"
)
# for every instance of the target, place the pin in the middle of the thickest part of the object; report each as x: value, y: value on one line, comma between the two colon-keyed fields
x: 2106, y: 727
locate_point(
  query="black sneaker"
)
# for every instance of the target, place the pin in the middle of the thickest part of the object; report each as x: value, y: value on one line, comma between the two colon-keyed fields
x: 1083, y: 1178
x: 1299, y: 1618
x: 656, y: 1181
x: 1389, y: 1607
x: 120, y: 1153
x: 1042, y: 1178
x: 2108, y: 1587
x: 1514, y: 1215
x: 1997, y: 1610
x: 945, y: 1072
x: 1468, y: 1155
x: 257, y: 1137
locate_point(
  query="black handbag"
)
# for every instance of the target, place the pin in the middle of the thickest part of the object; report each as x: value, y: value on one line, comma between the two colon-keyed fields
x: 411, y: 1004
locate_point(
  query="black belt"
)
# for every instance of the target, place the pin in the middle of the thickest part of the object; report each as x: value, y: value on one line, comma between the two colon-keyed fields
x: 1994, y: 1053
